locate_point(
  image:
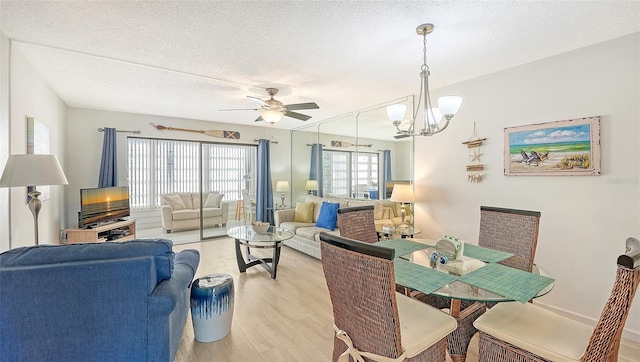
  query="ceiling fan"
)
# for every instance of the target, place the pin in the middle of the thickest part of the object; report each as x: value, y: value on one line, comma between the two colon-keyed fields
x: 272, y: 110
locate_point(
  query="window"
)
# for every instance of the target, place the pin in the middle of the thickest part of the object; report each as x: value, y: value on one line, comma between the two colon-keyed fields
x: 158, y: 167
x: 348, y: 174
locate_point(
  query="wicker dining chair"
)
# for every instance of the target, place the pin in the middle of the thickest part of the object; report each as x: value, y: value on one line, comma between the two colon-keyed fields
x: 358, y: 223
x: 510, y: 230
x: 515, y: 331
x: 369, y: 315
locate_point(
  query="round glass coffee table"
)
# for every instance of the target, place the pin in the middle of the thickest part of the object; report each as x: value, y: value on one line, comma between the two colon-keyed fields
x: 398, y: 231
x: 272, y: 239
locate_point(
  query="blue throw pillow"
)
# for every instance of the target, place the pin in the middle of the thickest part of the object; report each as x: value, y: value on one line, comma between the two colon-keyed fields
x: 328, y: 215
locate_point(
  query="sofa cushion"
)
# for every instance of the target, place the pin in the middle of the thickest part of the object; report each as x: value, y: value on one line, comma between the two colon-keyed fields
x: 160, y: 249
x: 175, y: 202
x: 185, y: 214
x: 378, y: 210
x: 310, y: 232
x: 317, y: 201
x: 328, y: 215
x: 211, y: 212
x: 293, y: 226
x: 187, y: 199
x: 304, y: 212
x: 213, y: 200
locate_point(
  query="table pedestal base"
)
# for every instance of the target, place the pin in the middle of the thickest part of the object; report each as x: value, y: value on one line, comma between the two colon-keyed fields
x: 253, y: 260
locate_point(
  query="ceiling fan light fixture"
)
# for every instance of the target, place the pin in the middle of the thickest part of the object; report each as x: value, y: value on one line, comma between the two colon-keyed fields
x: 271, y: 116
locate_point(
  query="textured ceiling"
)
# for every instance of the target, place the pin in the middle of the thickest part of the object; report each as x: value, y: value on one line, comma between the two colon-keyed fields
x: 190, y: 59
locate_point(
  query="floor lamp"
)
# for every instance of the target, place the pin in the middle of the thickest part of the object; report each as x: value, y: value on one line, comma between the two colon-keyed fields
x: 33, y: 170
x: 403, y: 194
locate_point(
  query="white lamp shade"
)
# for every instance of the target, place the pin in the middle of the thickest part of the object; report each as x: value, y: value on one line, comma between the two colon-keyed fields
x: 32, y: 170
x: 311, y: 185
x: 282, y: 186
x: 449, y: 104
x: 271, y: 116
x: 396, y: 112
x: 402, y: 193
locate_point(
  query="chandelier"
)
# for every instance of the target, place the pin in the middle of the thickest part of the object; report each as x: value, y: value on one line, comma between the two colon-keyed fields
x: 435, y: 119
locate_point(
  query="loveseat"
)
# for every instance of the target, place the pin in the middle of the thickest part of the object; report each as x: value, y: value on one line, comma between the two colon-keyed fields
x: 181, y: 211
x: 111, y: 301
x: 306, y: 238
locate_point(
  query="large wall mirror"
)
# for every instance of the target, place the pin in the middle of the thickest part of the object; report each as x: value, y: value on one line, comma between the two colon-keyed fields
x: 355, y: 155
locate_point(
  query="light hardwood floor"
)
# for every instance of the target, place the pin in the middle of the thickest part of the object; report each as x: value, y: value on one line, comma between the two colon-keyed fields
x: 287, y: 319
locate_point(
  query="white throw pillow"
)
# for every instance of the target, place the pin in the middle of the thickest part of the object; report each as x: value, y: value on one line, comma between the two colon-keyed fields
x: 175, y: 202
x: 213, y: 200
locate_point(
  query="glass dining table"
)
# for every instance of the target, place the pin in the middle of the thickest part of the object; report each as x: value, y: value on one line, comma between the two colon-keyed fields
x: 475, y: 276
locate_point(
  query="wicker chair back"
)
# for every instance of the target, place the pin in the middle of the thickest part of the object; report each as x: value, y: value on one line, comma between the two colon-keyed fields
x: 361, y: 285
x: 358, y: 223
x: 513, y: 231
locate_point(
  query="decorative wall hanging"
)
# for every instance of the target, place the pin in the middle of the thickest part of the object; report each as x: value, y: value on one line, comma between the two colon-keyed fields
x: 213, y: 133
x: 569, y: 147
x: 347, y: 144
x: 475, y: 166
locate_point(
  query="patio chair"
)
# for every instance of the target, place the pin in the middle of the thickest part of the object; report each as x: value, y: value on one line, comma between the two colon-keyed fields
x: 358, y: 223
x: 369, y: 315
x: 513, y: 331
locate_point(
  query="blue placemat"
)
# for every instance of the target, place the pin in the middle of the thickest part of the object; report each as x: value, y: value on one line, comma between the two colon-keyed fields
x: 420, y: 278
x: 402, y: 246
x: 509, y: 282
x: 485, y: 254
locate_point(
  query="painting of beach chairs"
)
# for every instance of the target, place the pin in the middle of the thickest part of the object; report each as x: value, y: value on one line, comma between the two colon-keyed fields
x: 570, y: 147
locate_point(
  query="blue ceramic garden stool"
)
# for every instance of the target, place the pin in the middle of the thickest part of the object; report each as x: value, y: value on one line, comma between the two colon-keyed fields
x: 212, y: 307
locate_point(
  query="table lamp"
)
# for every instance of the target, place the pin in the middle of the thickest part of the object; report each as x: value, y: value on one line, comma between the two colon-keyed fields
x: 33, y: 170
x: 403, y: 194
x: 282, y: 186
x: 311, y: 186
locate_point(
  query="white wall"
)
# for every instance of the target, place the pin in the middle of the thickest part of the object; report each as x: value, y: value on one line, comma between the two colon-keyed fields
x: 5, y: 235
x: 585, y: 219
x: 31, y: 96
x: 84, y: 148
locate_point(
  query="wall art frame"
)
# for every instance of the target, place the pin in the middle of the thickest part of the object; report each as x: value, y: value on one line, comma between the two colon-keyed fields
x: 568, y: 148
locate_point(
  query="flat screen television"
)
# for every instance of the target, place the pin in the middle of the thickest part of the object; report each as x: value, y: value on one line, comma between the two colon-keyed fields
x: 100, y: 205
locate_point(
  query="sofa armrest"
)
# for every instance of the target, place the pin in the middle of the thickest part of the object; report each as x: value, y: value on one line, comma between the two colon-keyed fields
x: 280, y: 216
x: 166, y: 217
x: 225, y: 211
x: 163, y: 299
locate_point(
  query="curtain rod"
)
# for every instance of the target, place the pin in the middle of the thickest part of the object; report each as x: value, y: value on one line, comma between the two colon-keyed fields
x: 311, y: 144
x: 257, y: 140
x: 134, y: 132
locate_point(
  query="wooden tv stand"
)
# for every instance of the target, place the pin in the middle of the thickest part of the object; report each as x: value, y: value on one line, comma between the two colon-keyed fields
x: 115, y: 231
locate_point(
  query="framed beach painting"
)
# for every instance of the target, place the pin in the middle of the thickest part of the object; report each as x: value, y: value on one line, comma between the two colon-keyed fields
x: 570, y: 147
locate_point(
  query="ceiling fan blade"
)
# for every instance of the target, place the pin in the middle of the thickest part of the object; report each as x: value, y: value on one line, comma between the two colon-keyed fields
x: 300, y: 116
x: 310, y: 105
x: 258, y: 100
x: 400, y: 136
x: 239, y: 109
x: 259, y: 119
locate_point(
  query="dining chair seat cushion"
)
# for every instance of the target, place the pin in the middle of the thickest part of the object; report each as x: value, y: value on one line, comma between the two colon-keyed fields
x: 421, y: 325
x: 536, y: 330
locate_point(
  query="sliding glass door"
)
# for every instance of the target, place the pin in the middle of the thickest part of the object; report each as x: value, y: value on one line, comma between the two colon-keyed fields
x: 188, y: 191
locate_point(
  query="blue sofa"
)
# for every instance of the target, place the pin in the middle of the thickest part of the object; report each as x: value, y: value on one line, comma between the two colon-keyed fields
x: 113, y: 301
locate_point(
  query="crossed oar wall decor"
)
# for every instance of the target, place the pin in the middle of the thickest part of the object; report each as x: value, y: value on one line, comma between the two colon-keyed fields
x: 213, y: 133
x: 346, y: 144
